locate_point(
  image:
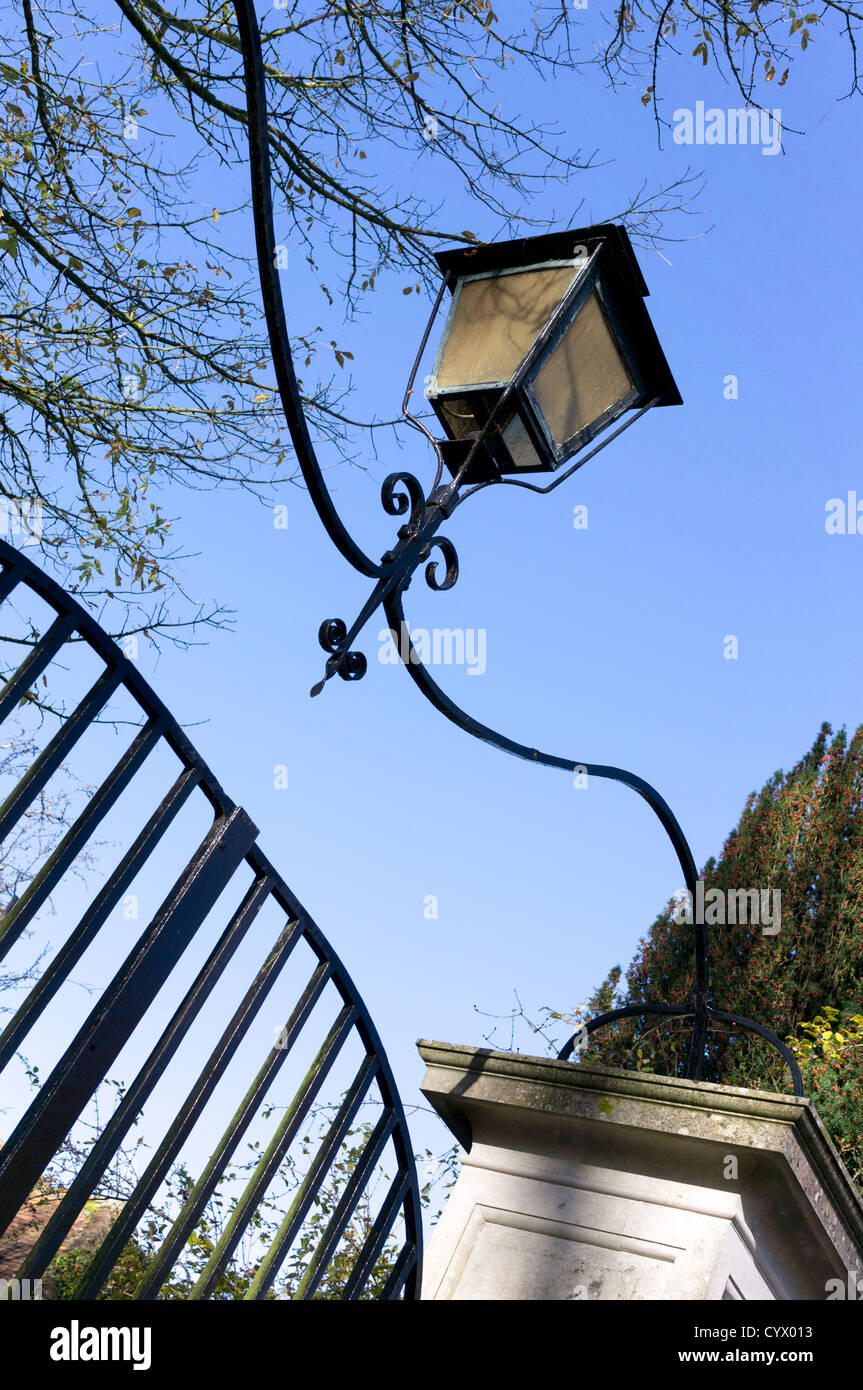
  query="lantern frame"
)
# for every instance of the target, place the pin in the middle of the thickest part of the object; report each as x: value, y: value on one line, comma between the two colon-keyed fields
x: 603, y: 265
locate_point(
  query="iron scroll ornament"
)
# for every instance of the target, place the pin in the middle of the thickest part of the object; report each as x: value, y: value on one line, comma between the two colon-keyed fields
x: 402, y: 494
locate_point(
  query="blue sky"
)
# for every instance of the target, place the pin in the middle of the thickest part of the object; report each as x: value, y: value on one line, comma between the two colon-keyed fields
x: 605, y: 644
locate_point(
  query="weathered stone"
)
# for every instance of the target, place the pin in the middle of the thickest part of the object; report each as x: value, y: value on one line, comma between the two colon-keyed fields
x: 589, y: 1182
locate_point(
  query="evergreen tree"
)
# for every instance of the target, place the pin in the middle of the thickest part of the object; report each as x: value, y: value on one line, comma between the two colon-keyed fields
x: 803, y: 835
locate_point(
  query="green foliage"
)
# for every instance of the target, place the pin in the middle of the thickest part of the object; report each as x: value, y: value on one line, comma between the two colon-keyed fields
x: 68, y: 1268
x: 750, y: 43
x: 801, y: 834
x: 340, y: 1267
x: 830, y: 1053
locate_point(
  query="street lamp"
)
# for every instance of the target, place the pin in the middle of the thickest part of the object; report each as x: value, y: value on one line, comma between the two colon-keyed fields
x: 546, y: 344
x: 546, y: 347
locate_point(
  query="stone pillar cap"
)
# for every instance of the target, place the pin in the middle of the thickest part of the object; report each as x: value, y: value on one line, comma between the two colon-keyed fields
x: 490, y: 1097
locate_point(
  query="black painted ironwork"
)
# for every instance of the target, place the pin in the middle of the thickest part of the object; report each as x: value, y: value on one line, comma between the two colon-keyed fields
x: 228, y: 846
x: 403, y: 494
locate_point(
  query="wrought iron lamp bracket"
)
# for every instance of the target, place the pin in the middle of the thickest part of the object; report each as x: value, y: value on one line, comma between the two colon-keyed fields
x: 417, y: 539
x: 402, y: 493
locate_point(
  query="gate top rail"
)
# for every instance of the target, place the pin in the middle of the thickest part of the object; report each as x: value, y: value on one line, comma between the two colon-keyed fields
x: 229, y: 844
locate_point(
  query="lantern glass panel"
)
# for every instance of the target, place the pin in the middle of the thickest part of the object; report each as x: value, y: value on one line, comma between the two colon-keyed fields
x: 459, y: 416
x: 583, y: 377
x: 496, y: 321
x: 520, y: 445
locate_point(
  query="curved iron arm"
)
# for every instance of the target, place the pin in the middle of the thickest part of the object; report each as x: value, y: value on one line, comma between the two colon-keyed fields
x: 394, y: 610
x: 271, y: 292
x: 648, y: 1009
x: 416, y: 537
x: 629, y: 1011
x: 785, y: 1052
x: 701, y: 1006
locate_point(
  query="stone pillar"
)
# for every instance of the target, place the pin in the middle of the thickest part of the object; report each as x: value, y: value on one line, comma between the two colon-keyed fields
x: 583, y: 1181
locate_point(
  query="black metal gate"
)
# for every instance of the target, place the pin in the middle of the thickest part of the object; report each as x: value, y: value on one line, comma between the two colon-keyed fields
x: 382, y: 1257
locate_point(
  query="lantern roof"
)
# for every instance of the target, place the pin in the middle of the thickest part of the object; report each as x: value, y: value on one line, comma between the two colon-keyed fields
x: 617, y: 261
